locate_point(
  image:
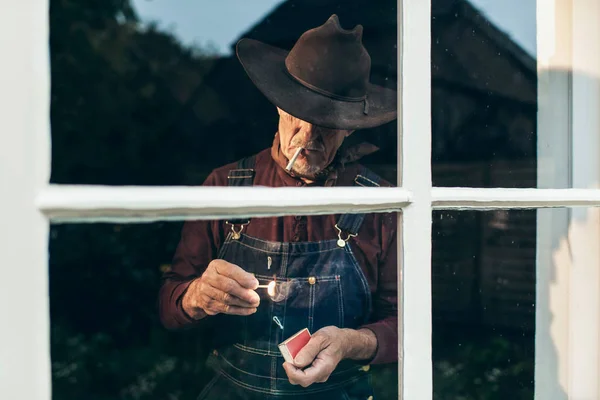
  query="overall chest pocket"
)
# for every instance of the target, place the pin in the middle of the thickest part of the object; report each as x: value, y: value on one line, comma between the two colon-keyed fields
x: 314, y: 302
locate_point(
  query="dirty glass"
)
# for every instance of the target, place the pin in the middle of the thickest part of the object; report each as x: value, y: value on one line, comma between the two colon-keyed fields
x: 152, y: 93
x: 117, y: 331
x: 484, y: 95
x: 484, y: 271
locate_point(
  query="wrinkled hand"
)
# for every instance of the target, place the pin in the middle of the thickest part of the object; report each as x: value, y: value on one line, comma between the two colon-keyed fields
x: 223, y: 288
x: 326, y: 348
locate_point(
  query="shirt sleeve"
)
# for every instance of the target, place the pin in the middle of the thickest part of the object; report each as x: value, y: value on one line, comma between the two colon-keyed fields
x: 384, y: 319
x: 197, y: 247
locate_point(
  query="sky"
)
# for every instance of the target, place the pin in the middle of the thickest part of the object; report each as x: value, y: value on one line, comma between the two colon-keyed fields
x: 194, y: 21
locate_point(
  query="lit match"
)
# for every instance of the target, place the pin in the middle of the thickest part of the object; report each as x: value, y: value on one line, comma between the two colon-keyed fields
x: 293, y: 160
x: 270, y: 288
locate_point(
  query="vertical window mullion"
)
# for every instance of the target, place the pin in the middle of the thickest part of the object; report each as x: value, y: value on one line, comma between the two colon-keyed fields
x: 414, y: 110
x: 25, y: 370
x: 567, y: 346
x: 554, y: 62
x: 584, y: 225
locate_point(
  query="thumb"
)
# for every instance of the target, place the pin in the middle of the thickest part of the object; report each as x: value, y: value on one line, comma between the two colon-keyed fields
x: 308, y: 353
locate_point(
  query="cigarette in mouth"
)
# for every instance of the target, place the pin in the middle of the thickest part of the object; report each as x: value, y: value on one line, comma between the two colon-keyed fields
x: 293, y: 160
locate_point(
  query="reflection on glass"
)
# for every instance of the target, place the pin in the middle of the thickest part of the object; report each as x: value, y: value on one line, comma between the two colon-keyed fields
x: 484, y: 93
x: 484, y: 293
x: 106, y: 338
x: 150, y: 94
x: 135, y: 102
x: 110, y: 339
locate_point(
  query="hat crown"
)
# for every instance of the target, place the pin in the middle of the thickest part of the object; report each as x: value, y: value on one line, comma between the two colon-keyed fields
x: 331, y: 60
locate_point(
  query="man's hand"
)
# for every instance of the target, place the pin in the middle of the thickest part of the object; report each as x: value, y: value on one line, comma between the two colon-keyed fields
x: 326, y: 348
x: 222, y: 288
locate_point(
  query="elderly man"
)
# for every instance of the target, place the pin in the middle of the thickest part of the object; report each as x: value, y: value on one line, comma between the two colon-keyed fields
x: 332, y: 274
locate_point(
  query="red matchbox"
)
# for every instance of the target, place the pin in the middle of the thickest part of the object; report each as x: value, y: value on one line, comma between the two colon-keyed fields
x: 292, y: 345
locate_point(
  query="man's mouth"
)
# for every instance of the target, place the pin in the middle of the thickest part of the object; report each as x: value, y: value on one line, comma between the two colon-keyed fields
x: 310, y: 148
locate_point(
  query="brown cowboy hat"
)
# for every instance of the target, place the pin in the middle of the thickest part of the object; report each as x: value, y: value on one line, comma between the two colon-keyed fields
x: 324, y: 79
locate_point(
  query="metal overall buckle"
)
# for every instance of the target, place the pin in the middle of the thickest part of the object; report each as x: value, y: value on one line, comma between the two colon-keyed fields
x: 236, y: 234
x: 341, y: 241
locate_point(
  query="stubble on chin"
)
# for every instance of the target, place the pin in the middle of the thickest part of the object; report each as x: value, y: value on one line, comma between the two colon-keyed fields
x: 307, y: 171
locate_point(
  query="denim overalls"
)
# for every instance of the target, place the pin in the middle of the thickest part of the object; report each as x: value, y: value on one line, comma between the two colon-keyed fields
x: 318, y: 284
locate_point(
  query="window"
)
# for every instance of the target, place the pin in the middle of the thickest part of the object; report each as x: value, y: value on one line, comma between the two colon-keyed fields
x: 567, y: 305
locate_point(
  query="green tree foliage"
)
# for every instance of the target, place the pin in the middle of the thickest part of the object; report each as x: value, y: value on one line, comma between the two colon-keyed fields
x: 119, y: 91
x: 473, y: 364
x: 106, y: 340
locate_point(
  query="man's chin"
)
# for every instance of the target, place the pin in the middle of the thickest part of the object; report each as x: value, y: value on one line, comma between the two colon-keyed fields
x: 313, y: 173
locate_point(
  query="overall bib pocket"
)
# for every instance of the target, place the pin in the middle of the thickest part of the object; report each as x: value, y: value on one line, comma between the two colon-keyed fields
x: 313, y: 302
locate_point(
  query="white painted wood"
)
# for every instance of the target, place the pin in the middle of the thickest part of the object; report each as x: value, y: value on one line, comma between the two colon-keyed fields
x: 415, y: 374
x: 553, y: 271
x: 23, y: 242
x: 553, y: 258
x: 24, y: 169
x: 554, y: 41
x: 568, y: 271
x: 584, y: 229
x: 483, y: 199
x: 584, y: 304
x: 64, y: 203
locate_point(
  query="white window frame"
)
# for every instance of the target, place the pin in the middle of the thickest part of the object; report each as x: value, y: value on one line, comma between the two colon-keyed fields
x: 568, y: 299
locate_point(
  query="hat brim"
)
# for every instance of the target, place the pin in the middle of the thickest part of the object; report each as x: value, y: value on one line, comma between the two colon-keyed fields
x: 265, y: 65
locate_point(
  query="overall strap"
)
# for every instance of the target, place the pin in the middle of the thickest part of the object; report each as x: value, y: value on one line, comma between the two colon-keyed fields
x: 350, y: 223
x: 243, y: 175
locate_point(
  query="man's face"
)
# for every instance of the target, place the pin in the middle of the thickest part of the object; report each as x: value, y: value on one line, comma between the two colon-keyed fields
x: 320, y: 144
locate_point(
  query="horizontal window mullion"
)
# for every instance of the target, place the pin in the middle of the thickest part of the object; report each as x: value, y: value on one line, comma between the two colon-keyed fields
x: 480, y: 198
x: 113, y: 203
x: 65, y: 203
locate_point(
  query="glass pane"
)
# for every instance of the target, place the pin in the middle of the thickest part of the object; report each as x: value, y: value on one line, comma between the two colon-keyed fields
x: 152, y: 93
x: 484, y: 280
x: 484, y: 94
x: 503, y: 285
x: 106, y: 338
x: 118, y: 295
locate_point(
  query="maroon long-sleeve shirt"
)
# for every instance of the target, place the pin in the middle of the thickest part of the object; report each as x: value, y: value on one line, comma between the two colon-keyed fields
x: 374, y: 248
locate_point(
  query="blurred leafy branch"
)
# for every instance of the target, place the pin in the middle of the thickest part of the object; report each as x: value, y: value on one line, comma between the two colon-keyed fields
x: 120, y: 90
x: 106, y: 340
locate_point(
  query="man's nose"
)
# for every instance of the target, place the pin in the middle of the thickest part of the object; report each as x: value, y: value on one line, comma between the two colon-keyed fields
x: 311, y: 132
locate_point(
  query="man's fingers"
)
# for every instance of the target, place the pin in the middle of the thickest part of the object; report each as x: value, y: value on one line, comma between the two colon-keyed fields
x: 228, y: 289
x: 226, y: 298
x: 292, y: 372
x: 232, y: 271
x: 243, y: 311
x: 309, y: 352
x: 213, y: 307
x: 315, y: 362
x: 232, y: 287
x: 317, y: 373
